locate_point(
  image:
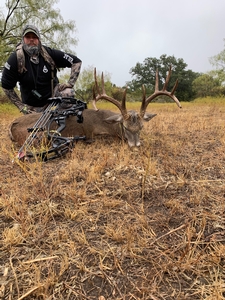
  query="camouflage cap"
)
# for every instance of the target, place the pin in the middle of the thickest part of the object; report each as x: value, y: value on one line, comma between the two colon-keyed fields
x: 31, y: 28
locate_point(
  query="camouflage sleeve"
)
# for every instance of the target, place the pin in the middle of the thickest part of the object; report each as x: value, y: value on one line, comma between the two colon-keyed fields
x: 75, y: 71
x: 14, y: 98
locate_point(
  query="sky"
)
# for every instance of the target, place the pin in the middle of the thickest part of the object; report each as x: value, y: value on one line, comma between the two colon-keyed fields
x: 114, y: 35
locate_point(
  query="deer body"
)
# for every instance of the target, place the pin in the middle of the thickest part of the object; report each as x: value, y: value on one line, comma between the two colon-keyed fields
x: 126, y: 124
x: 96, y: 122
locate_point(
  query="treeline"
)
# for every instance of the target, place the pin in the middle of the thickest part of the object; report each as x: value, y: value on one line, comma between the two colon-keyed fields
x: 54, y: 30
x: 191, y: 84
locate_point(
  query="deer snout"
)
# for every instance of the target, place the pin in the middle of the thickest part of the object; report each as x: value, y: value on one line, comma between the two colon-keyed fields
x: 133, y: 139
x: 133, y: 143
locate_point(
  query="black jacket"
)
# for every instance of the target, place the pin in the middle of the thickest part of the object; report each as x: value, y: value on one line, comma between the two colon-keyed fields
x: 37, y: 77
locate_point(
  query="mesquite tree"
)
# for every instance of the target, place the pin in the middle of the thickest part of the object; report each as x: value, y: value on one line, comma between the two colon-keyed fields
x: 144, y: 73
x: 55, y: 32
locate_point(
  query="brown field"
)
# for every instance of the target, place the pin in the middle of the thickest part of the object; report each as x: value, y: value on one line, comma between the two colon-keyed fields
x: 106, y: 223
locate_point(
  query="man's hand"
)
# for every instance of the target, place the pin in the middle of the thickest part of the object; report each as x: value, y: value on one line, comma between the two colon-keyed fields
x: 63, y: 86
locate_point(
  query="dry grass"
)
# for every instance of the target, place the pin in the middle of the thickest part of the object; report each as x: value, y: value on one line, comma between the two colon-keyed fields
x: 107, y: 223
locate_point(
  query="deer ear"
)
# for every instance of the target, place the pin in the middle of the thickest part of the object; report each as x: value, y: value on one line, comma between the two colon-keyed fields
x: 118, y: 118
x: 147, y: 117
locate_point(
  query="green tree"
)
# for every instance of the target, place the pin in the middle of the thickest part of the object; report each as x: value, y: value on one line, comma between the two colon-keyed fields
x: 206, y: 85
x: 145, y: 74
x: 85, y: 83
x: 55, y: 32
x: 218, y: 62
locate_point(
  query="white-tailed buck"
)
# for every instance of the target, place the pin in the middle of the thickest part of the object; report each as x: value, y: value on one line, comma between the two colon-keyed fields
x: 127, y: 124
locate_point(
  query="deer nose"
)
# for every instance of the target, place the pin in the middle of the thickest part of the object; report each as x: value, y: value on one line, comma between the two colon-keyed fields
x: 133, y: 143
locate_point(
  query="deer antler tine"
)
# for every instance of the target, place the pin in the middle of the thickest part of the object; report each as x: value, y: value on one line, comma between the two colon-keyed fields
x: 96, y: 81
x: 158, y: 92
x: 177, y: 101
x: 174, y: 87
x: 103, y: 84
x: 94, y: 100
x: 124, y: 100
x: 93, y: 90
x: 103, y: 95
x: 142, y: 109
x: 157, y: 80
x: 167, y: 79
x: 144, y: 93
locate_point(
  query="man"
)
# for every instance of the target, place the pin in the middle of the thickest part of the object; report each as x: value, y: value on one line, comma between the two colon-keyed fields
x: 35, y: 66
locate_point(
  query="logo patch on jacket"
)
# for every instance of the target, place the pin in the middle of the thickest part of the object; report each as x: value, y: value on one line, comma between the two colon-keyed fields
x: 45, y: 70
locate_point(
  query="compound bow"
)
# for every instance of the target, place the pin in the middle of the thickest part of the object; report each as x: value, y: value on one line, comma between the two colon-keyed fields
x: 56, y: 112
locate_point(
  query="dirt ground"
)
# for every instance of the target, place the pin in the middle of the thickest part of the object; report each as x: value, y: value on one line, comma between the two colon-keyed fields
x: 109, y: 223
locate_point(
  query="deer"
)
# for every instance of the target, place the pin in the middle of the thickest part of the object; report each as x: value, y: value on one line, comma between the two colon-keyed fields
x: 127, y: 124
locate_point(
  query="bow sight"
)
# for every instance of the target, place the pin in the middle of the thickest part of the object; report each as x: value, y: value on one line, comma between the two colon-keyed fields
x: 45, y: 143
